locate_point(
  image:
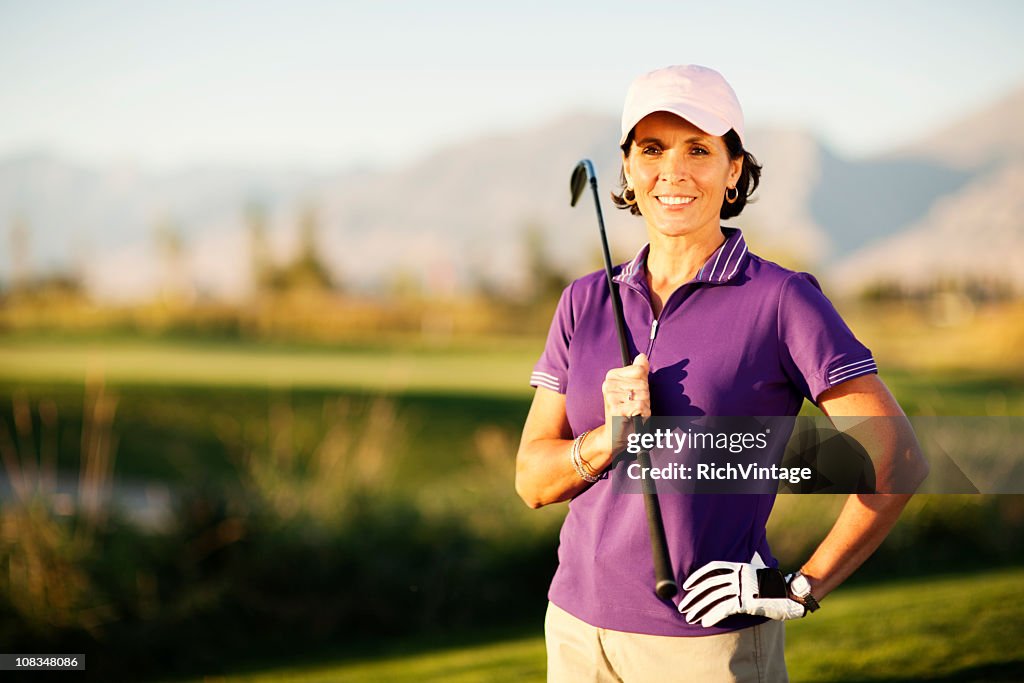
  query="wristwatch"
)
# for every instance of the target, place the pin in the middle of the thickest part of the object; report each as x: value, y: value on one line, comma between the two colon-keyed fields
x: 801, y: 588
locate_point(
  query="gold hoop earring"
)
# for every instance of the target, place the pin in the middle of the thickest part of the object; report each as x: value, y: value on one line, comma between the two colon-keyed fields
x: 735, y: 195
x: 627, y: 191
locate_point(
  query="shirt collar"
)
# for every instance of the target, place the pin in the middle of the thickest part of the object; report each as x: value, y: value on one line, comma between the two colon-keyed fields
x: 722, y: 266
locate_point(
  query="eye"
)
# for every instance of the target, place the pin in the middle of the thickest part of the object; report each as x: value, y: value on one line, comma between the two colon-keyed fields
x: 699, y: 151
x: 650, y: 150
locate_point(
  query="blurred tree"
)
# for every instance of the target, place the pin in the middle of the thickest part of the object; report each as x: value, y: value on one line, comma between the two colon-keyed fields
x: 404, y: 284
x: 32, y: 288
x: 170, y: 247
x: 307, y: 270
x: 19, y: 240
x: 259, y: 250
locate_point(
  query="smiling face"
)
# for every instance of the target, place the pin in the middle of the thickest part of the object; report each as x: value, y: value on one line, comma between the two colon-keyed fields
x: 679, y: 174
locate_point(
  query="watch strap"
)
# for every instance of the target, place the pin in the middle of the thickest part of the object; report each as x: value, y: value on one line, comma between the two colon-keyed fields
x: 807, y: 598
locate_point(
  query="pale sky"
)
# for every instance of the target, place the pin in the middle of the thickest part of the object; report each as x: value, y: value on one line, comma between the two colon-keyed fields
x: 334, y: 84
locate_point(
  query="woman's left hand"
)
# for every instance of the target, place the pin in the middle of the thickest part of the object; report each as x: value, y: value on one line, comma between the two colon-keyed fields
x: 720, y: 589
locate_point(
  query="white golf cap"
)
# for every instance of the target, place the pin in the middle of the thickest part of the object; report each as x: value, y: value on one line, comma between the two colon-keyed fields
x: 696, y: 93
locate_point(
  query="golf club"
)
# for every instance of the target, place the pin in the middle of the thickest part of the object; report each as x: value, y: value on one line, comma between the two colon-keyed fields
x: 664, y: 584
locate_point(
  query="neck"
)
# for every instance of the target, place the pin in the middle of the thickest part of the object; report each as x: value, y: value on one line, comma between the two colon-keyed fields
x: 675, y: 260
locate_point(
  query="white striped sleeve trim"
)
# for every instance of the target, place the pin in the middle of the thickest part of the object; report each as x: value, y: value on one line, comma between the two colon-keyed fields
x: 851, y: 370
x: 543, y: 379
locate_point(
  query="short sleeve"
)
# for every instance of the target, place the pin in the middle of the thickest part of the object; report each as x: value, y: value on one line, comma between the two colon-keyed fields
x: 552, y: 370
x: 817, y: 348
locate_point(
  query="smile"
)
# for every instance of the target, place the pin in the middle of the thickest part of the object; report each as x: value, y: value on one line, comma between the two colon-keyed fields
x: 675, y: 200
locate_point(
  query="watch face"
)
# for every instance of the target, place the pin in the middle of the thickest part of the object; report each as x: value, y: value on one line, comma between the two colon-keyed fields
x: 800, y: 585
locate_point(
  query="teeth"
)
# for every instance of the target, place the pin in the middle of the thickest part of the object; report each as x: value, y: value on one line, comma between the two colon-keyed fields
x: 675, y: 200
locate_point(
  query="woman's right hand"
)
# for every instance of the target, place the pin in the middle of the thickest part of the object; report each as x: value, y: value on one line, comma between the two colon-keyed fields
x: 626, y: 393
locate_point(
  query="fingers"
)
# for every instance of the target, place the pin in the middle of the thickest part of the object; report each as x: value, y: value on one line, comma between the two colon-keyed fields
x: 628, y: 383
x: 627, y: 403
x: 642, y: 362
x: 621, y: 392
x: 712, y: 593
x: 638, y: 370
x: 710, y: 571
x: 626, y: 391
x: 699, y: 602
x: 716, y: 614
x: 631, y: 409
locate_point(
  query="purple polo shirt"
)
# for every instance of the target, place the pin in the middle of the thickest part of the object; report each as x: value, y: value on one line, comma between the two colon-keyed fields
x: 744, y: 337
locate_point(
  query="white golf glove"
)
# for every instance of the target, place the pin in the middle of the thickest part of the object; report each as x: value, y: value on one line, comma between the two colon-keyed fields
x: 720, y: 589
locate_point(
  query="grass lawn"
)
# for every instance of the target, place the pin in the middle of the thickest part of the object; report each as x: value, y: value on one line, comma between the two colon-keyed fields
x: 499, y: 370
x: 959, y: 628
x: 966, y: 628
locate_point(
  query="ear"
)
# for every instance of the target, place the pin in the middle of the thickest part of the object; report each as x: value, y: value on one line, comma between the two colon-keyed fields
x: 626, y: 170
x: 735, y: 170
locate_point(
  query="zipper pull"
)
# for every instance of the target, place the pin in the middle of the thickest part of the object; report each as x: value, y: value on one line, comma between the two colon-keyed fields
x: 654, y: 329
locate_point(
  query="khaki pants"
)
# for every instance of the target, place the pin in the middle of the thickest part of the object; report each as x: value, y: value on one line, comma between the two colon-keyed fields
x: 581, y: 653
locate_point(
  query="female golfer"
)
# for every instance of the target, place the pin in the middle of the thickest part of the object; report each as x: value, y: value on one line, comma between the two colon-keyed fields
x: 715, y: 331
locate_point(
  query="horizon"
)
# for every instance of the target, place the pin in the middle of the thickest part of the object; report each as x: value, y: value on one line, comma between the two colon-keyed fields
x: 314, y: 169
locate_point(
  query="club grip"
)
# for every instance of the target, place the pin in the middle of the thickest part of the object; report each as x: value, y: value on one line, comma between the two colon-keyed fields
x: 664, y: 583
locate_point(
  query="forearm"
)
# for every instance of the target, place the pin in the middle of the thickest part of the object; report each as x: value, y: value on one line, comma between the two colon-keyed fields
x: 544, y: 470
x: 866, y: 519
x: 899, y: 466
x: 862, y: 525
x: 544, y: 465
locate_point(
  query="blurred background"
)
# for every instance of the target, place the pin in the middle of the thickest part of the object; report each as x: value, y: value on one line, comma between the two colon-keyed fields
x: 273, y: 278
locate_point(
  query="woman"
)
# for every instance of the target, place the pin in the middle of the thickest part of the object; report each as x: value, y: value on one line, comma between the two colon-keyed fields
x: 717, y: 331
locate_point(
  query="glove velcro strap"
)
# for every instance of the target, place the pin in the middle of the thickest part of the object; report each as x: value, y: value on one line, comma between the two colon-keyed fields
x: 771, y: 584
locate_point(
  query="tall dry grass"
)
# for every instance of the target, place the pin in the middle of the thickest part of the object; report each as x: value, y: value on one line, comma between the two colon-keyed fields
x: 43, y: 546
x: 317, y: 472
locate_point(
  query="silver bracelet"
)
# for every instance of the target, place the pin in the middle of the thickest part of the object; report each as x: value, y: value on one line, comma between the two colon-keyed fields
x: 577, y: 459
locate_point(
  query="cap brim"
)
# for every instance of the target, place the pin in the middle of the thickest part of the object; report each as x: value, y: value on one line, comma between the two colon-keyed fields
x: 703, y: 119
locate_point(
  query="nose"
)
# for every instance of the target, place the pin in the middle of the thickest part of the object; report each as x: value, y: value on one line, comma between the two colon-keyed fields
x: 675, y: 167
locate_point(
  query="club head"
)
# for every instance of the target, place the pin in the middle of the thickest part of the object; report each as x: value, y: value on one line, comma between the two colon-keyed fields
x: 583, y: 172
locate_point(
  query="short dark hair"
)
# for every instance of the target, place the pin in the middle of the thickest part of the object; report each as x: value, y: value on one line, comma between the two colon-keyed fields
x: 750, y: 178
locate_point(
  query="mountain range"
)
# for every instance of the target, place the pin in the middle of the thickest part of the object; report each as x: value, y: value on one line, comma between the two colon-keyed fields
x: 944, y: 205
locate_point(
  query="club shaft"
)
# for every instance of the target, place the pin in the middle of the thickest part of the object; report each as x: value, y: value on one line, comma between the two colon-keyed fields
x: 664, y: 584
x: 620, y: 321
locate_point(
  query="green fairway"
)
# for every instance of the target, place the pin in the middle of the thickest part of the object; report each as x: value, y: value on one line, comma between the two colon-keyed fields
x: 501, y: 370
x: 181, y: 403
x: 480, y: 368
x: 962, y: 628
x: 482, y: 371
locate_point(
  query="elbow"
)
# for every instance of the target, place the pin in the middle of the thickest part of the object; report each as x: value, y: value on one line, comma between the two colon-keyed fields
x: 911, y: 472
x: 533, y: 503
x: 526, y: 486
x: 528, y: 494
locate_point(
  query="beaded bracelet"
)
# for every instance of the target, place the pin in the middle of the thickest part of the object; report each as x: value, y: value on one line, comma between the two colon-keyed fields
x: 577, y: 459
